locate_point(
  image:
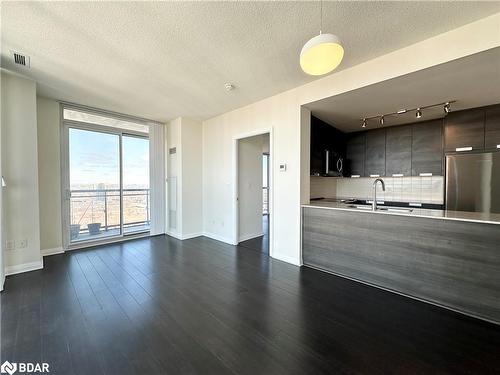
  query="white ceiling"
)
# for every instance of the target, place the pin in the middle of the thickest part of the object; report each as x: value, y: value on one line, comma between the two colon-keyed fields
x: 472, y: 81
x: 161, y: 60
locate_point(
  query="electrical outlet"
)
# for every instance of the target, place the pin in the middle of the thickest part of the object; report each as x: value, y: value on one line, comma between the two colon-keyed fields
x: 22, y: 244
x: 10, y: 245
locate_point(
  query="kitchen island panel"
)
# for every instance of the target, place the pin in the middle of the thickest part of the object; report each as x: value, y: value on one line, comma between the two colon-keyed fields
x: 451, y: 263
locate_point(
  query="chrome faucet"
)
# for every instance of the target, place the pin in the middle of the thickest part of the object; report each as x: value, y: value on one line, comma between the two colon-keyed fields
x: 374, y: 203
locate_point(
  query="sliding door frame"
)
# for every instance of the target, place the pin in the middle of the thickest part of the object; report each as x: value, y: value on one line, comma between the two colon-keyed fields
x: 66, y: 125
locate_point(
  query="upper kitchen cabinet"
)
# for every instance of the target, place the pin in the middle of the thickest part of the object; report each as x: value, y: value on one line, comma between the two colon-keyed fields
x: 464, y: 130
x: 355, y: 154
x: 492, y: 128
x: 325, y: 137
x: 427, y: 148
x: 398, y: 151
x: 375, y: 153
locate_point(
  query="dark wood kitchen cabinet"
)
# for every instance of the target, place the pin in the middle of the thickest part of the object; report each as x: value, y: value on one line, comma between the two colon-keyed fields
x: 464, y: 129
x: 398, y: 151
x: 355, y: 154
x: 375, y: 153
x: 492, y: 128
x: 325, y: 137
x: 427, y: 148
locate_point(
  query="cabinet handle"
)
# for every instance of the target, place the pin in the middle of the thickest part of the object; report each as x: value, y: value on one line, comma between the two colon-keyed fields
x: 397, y: 175
x: 374, y: 175
x: 460, y: 149
x: 355, y: 176
x: 425, y: 174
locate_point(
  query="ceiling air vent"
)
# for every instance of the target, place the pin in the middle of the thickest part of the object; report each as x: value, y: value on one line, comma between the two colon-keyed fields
x: 20, y: 59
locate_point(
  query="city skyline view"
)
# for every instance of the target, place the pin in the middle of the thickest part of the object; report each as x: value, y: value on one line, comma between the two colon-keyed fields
x: 95, y: 160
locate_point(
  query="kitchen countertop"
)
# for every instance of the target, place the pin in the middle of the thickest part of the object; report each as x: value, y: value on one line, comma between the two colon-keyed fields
x: 476, y: 217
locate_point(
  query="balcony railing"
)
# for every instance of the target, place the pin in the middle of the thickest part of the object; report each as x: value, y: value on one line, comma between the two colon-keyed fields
x: 96, y: 213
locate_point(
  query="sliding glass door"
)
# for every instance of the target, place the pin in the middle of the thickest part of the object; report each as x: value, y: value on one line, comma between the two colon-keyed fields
x: 136, y: 202
x: 105, y: 179
x: 94, y: 191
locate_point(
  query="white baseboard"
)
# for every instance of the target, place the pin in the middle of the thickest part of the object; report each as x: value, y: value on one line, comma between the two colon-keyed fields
x: 285, y: 258
x: 172, y: 234
x: 192, y: 235
x: 25, y: 267
x: 185, y: 237
x: 218, y: 238
x: 247, y: 237
x: 53, y: 251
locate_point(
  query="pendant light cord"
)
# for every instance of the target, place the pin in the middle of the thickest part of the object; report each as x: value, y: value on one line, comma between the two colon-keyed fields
x: 321, y: 17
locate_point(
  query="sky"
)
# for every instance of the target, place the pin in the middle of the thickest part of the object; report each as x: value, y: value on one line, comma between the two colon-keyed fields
x: 94, y: 159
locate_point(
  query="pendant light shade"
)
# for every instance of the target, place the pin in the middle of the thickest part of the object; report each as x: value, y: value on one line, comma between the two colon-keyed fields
x: 321, y: 54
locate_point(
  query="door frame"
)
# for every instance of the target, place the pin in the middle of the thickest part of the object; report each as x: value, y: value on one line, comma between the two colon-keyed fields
x: 235, y: 203
x: 65, y: 126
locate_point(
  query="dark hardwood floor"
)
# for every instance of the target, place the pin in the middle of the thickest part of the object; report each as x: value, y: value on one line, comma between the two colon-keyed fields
x: 162, y: 306
x: 261, y: 243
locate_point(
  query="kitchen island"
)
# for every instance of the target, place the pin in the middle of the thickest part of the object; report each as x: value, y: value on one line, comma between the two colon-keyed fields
x: 448, y: 258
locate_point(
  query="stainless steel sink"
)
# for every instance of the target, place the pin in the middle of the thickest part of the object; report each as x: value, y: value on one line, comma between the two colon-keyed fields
x: 396, y: 209
x: 368, y: 208
x: 387, y: 209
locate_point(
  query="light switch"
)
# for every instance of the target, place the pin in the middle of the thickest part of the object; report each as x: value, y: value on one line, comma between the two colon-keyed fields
x: 283, y: 167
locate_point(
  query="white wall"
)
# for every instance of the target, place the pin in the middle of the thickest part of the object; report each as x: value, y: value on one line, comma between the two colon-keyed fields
x: 283, y: 114
x: 250, y: 182
x: 2, y: 267
x: 192, y: 205
x: 20, y: 168
x: 49, y: 175
x: 174, y: 177
x: 184, y: 174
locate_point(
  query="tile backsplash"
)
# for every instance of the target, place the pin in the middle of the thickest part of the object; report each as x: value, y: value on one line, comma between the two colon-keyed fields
x: 400, y: 189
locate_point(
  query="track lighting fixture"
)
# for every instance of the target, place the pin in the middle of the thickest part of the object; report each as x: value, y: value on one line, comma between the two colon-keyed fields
x: 447, y: 108
x: 418, y: 112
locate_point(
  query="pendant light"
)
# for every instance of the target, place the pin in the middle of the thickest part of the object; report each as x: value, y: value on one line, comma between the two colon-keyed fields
x: 321, y: 54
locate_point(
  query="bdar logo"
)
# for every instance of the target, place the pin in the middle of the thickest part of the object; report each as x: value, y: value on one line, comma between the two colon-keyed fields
x: 8, y: 368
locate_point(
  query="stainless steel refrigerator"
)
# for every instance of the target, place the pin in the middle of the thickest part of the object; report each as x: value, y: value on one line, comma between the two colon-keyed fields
x: 473, y: 182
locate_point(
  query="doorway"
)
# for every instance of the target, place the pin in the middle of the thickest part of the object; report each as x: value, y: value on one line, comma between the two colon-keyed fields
x: 253, y: 194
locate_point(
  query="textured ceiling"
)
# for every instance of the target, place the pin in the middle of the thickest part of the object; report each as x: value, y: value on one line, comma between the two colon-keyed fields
x: 161, y: 60
x: 472, y: 81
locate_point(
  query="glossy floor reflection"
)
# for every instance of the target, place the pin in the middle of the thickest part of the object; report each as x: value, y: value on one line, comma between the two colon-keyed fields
x: 162, y: 306
x: 261, y: 243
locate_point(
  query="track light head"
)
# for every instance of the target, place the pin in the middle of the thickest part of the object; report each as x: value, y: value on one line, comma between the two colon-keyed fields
x: 381, y: 120
x: 364, y: 123
x: 447, y: 108
x: 418, y: 114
